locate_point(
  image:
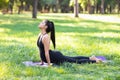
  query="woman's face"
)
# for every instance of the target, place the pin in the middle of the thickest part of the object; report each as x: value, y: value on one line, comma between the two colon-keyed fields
x: 42, y: 25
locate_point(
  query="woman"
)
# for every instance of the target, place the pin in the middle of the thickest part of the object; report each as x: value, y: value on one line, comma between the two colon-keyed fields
x: 56, y: 57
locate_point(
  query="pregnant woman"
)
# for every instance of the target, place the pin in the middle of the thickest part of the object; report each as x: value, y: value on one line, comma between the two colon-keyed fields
x: 56, y: 57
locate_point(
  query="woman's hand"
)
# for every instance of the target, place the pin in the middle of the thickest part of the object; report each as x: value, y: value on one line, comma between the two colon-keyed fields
x: 42, y: 63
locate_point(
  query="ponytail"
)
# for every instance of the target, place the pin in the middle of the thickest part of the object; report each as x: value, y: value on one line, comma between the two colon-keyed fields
x: 52, y: 35
x: 51, y: 29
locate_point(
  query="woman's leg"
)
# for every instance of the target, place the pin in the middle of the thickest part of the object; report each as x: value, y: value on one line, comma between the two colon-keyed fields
x: 58, y: 58
x: 79, y: 57
x: 79, y: 61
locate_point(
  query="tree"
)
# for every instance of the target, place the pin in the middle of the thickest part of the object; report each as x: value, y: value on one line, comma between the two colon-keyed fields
x: 76, y: 8
x: 10, y: 5
x: 64, y: 6
x: 86, y: 5
x: 102, y: 6
x: 3, y: 3
x: 57, y: 6
x: 34, y: 12
x: 118, y: 3
x: 45, y: 5
x: 21, y: 6
x: 27, y: 4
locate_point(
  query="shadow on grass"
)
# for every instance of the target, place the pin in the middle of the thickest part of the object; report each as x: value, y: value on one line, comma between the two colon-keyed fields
x: 102, y: 39
x: 32, y: 28
x: 83, y: 30
x: 22, y: 24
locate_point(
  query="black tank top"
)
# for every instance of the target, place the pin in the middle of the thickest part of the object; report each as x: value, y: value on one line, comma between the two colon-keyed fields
x: 55, y: 56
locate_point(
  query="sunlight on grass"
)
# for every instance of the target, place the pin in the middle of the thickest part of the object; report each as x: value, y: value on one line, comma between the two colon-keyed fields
x: 4, y: 30
x: 104, y: 35
x: 4, y: 69
x: 88, y: 45
x: 64, y: 40
x: 5, y: 22
x: 60, y: 70
x: 66, y: 24
x: 53, y: 16
x: 103, y: 18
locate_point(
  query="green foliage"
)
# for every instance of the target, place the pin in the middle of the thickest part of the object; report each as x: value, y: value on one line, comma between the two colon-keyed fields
x: 83, y: 3
x: 17, y: 2
x: 74, y: 36
x: 110, y: 2
x: 65, y: 3
x: 72, y: 2
x: 3, y: 3
x: 49, y: 2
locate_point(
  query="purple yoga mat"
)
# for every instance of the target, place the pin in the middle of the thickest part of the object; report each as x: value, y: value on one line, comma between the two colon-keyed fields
x: 101, y: 58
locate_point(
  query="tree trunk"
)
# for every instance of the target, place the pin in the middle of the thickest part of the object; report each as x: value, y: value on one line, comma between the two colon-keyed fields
x: 27, y: 6
x: 110, y: 9
x: 76, y: 8
x: 95, y: 4
x: 20, y: 8
x: 89, y: 6
x: 57, y: 5
x: 105, y: 8
x: 11, y: 3
x: 119, y: 7
x: 97, y: 8
x: 102, y: 6
x: 34, y: 12
x: 11, y: 9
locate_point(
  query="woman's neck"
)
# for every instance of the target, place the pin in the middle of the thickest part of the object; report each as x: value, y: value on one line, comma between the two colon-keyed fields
x: 43, y: 32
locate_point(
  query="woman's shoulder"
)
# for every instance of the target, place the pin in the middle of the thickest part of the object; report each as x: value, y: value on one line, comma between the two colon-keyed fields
x: 46, y: 36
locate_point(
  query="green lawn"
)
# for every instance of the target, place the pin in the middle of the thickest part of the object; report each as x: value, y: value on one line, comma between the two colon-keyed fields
x: 74, y: 36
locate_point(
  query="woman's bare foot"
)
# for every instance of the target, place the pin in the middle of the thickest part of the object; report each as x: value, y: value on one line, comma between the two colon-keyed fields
x: 92, y: 58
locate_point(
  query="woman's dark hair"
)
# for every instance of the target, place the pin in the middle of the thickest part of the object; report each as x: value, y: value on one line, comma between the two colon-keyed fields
x: 51, y: 28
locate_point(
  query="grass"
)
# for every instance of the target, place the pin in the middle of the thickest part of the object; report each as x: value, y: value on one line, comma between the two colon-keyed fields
x: 74, y: 36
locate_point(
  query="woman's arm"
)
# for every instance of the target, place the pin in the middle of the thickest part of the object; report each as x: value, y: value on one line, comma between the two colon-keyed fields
x: 39, y: 51
x: 46, y: 42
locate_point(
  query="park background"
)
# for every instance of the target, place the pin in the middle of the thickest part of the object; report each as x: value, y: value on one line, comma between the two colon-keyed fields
x: 83, y: 27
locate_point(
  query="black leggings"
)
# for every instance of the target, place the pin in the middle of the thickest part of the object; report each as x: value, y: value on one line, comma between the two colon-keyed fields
x: 58, y: 58
x: 78, y: 59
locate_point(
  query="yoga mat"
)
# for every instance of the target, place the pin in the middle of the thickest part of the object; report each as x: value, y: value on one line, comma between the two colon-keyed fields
x: 104, y: 60
x: 101, y: 58
x: 31, y: 63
